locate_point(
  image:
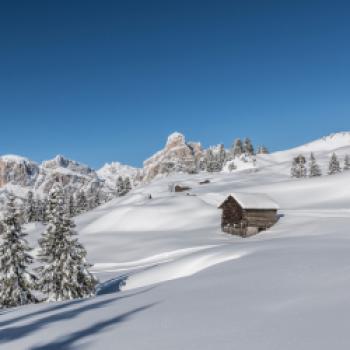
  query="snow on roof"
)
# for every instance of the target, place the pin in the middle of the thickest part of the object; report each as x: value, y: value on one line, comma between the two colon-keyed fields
x: 254, y: 200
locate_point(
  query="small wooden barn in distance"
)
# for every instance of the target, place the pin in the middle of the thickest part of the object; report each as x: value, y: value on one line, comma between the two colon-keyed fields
x: 245, y: 214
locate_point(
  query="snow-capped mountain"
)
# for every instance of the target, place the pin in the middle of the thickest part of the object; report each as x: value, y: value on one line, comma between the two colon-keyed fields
x: 166, y: 268
x: 177, y: 156
x: 18, y: 170
x: 20, y: 174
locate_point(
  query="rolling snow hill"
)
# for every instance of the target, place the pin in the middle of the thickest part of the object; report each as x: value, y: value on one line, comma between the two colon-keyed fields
x: 170, y: 279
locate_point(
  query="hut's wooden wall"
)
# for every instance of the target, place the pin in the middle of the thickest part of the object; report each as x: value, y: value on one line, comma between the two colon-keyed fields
x: 231, y: 212
x: 260, y: 218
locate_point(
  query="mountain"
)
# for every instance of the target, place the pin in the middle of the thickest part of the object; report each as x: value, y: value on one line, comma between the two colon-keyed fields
x: 169, y: 275
x: 20, y: 175
x: 18, y: 170
x: 177, y: 156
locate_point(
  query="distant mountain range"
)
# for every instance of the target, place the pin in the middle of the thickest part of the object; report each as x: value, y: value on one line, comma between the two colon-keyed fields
x: 19, y: 174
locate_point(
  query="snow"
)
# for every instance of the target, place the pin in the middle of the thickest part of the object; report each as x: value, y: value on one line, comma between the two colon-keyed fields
x: 172, y: 280
x: 254, y: 200
x: 175, y: 137
x: 14, y: 158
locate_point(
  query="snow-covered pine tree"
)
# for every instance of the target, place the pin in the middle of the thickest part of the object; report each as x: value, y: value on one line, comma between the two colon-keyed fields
x: 127, y: 184
x: 16, y: 281
x: 45, y: 210
x: 71, y: 206
x: 237, y: 148
x: 346, y: 162
x: 30, y: 208
x: 64, y: 274
x: 231, y: 166
x: 120, y: 186
x: 213, y: 162
x: 262, y: 150
x: 39, y: 210
x: 82, y: 204
x: 248, y: 147
x: 222, y: 156
x: 298, y: 169
x: 314, y: 169
x: 334, y: 165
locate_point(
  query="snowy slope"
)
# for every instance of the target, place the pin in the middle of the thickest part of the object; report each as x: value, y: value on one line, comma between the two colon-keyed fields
x: 186, y: 285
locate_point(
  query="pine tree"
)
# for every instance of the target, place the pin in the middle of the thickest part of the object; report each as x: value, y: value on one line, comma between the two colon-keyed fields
x: 314, y: 169
x: 120, y: 186
x: 346, y: 162
x: 237, y: 148
x: 71, y: 206
x: 222, y: 156
x: 30, y: 208
x: 334, y: 165
x: 64, y: 274
x: 262, y: 150
x: 15, y: 280
x: 248, y: 147
x: 82, y: 204
x: 127, y: 184
x: 231, y: 166
x: 298, y: 169
x: 45, y: 210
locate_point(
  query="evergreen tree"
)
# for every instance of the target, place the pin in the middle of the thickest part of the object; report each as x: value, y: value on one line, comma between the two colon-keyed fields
x: 248, y: 147
x: 30, y: 208
x: 15, y: 280
x: 45, y: 210
x: 213, y: 162
x: 64, y: 274
x: 262, y: 150
x: 127, y: 184
x: 298, y: 169
x: 314, y: 169
x: 334, y: 165
x: 231, y: 166
x: 82, y: 204
x: 222, y: 156
x: 347, y: 162
x: 71, y: 206
x: 237, y: 148
x: 120, y: 186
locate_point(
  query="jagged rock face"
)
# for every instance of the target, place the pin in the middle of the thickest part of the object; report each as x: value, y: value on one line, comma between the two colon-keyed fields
x: 72, y: 175
x: 177, y: 156
x: 62, y: 162
x: 17, y: 170
x: 26, y: 175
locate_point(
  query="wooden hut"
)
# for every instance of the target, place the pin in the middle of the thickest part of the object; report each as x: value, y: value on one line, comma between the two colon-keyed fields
x: 179, y: 188
x: 246, y: 214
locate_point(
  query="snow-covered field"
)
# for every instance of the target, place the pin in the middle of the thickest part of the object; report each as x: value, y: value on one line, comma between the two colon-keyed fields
x: 171, y: 280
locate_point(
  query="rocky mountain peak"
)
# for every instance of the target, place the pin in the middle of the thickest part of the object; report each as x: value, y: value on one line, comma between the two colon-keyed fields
x: 177, y: 156
x: 175, y: 139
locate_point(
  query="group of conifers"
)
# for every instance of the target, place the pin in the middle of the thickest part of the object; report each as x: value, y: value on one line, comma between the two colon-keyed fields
x: 302, y: 168
x: 61, y: 271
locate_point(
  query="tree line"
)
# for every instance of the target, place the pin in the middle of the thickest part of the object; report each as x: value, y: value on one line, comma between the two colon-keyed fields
x: 303, y: 168
x: 35, y: 209
x: 216, y: 157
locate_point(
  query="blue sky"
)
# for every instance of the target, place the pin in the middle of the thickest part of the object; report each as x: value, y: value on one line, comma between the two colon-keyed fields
x: 109, y: 80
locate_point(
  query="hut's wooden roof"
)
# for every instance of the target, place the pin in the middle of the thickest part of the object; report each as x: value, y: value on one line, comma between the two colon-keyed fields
x: 260, y: 201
